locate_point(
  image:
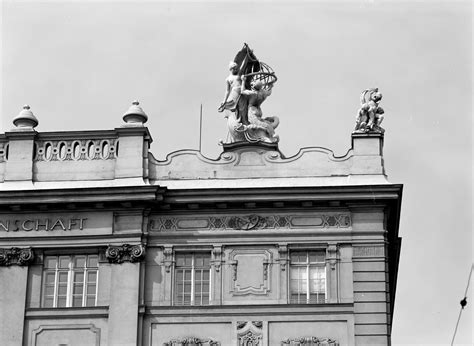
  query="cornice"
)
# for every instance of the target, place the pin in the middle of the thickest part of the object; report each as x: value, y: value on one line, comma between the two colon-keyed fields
x: 146, y: 193
x: 345, y: 193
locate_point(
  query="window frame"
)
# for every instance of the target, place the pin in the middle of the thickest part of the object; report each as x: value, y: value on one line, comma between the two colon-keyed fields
x: 308, y: 265
x: 192, y: 268
x: 71, y: 270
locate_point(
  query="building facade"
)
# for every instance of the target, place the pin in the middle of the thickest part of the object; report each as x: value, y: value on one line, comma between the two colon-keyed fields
x: 102, y: 244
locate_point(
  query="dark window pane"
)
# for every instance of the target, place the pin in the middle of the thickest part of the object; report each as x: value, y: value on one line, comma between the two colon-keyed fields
x: 62, y: 289
x: 180, y: 260
x: 62, y: 277
x: 207, y: 261
x: 91, y: 276
x: 77, y: 301
x: 90, y: 301
x: 205, y: 275
x: 199, y: 261
x: 50, y: 262
x: 92, y: 261
x: 61, y: 302
x: 79, y: 261
x: 49, y: 290
x: 91, y: 289
x: 317, y: 256
x: 187, y: 275
x: 48, y: 302
x: 78, y: 276
x: 77, y: 289
x: 49, y: 278
x: 64, y: 262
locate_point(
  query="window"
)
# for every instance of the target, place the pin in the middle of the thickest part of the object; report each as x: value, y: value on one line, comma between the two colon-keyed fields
x: 307, y: 277
x: 192, y: 284
x: 70, y: 281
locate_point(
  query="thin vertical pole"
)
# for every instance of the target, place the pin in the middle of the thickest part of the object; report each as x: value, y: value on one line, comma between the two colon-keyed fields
x: 200, y: 128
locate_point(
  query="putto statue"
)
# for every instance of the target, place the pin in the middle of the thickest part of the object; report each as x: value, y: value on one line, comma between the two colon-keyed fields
x: 370, y: 114
x: 249, y: 83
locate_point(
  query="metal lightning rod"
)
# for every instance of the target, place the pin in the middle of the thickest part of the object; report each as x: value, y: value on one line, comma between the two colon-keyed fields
x: 200, y: 128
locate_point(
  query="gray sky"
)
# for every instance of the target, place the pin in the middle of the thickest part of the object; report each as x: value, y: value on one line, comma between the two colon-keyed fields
x: 80, y: 64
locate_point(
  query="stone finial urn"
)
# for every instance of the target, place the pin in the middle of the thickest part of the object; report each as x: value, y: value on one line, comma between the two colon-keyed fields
x: 25, y: 120
x: 135, y: 116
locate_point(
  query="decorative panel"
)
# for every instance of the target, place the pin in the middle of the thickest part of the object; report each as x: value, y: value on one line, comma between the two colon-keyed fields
x: 251, y: 273
x: 66, y: 334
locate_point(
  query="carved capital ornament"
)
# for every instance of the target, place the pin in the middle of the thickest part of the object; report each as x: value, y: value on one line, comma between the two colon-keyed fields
x: 125, y: 253
x: 16, y: 256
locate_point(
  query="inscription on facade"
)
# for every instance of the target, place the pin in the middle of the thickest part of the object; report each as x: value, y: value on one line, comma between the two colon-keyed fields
x: 42, y: 224
x: 368, y: 251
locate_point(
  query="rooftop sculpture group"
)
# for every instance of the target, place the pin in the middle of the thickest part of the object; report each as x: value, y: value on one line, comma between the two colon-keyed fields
x: 249, y: 83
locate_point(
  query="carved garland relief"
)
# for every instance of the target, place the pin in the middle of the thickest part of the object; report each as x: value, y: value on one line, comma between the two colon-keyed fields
x: 249, y: 333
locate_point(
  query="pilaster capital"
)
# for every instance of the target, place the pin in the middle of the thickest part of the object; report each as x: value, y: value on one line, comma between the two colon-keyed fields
x: 125, y: 253
x: 18, y: 256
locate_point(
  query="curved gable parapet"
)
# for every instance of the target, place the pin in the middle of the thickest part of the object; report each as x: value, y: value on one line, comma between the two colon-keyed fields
x: 250, y: 161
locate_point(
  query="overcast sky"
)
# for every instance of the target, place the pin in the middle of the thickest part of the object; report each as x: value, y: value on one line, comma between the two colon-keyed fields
x: 80, y: 64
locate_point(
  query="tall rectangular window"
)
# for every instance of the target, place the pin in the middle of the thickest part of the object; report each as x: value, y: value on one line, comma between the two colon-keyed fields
x: 70, y: 281
x: 307, y: 277
x: 192, y: 278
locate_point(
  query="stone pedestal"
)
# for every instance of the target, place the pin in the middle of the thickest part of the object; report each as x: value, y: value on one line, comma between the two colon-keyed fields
x: 368, y: 153
x: 132, y: 158
x: 19, y: 166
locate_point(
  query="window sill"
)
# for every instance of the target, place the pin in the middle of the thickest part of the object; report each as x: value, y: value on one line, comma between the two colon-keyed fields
x: 90, y: 311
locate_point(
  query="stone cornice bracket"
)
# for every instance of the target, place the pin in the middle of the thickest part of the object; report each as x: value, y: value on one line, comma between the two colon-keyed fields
x: 168, y: 257
x: 125, y: 253
x: 217, y: 258
x: 14, y: 255
x: 331, y: 256
x: 283, y: 253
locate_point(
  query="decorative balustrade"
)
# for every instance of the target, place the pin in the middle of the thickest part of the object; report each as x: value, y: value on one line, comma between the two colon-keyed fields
x: 76, y: 149
x: 3, y: 152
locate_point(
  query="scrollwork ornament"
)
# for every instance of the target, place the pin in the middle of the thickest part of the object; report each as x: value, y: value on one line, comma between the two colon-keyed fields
x: 16, y: 256
x: 125, y: 253
x: 247, y: 223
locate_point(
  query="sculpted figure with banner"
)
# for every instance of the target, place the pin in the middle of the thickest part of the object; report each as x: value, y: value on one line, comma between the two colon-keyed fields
x: 249, y: 83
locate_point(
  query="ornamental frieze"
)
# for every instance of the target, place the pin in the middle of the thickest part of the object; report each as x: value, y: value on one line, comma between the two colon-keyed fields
x: 14, y: 255
x: 249, y: 222
x: 125, y: 253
